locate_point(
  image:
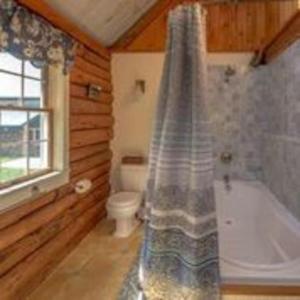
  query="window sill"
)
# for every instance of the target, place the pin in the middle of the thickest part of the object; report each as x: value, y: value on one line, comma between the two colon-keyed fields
x: 31, y: 189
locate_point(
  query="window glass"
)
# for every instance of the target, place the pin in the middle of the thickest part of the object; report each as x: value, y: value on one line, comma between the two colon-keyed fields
x: 10, y: 63
x: 13, y: 145
x: 38, y: 125
x: 32, y: 71
x: 13, y: 161
x: 24, y: 121
x: 32, y: 93
x: 10, y: 89
x: 38, y: 156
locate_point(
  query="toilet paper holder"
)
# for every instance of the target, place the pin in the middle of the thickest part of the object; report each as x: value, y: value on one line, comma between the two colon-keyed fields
x: 82, y: 186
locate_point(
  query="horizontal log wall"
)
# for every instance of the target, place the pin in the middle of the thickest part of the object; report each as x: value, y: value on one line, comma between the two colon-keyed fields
x: 36, y: 236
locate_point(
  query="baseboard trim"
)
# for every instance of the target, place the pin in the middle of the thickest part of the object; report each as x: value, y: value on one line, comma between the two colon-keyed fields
x: 260, y: 290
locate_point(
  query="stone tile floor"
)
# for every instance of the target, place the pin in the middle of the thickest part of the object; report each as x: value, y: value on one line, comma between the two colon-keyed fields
x: 96, y: 269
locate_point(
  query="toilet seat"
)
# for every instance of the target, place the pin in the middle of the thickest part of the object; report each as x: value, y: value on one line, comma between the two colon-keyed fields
x: 124, y: 199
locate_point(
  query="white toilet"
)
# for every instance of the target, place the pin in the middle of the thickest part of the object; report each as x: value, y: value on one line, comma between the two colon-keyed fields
x: 124, y: 205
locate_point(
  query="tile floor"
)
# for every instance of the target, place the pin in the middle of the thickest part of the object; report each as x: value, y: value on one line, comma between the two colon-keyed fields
x: 96, y: 269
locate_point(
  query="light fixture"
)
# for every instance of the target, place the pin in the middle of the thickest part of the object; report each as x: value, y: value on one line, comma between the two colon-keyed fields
x: 141, y: 85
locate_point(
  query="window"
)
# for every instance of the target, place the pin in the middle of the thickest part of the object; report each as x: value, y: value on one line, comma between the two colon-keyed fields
x: 33, y: 129
x: 25, y: 143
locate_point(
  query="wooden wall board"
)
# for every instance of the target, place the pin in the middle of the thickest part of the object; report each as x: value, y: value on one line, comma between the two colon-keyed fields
x: 36, y: 235
x: 241, y: 27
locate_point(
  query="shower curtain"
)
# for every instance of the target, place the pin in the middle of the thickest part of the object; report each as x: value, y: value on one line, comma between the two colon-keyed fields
x: 179, y: 255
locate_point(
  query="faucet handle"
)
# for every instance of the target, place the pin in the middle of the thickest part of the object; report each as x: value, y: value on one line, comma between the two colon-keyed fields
x: 226, y: 157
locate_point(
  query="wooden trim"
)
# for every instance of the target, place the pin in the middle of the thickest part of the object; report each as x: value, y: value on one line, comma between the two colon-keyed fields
x: 155, y: 11
x: 47, y: 12
x: 282, y: 40
x: 268, y: 290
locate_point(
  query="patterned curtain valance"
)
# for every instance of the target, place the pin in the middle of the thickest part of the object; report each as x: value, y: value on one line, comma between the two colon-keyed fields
x: 30, y: 37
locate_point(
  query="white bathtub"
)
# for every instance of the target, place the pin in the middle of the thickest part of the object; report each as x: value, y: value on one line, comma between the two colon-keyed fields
x: 259, y: 238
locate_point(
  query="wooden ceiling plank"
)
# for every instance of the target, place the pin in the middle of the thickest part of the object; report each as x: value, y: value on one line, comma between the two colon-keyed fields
x: 47, y: 12
x: 241, y: 27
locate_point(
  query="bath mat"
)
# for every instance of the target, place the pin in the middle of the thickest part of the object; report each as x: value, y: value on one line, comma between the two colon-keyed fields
x: 131, y: 289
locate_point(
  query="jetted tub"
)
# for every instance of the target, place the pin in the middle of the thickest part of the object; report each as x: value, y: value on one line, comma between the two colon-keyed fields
x: 259, y: 238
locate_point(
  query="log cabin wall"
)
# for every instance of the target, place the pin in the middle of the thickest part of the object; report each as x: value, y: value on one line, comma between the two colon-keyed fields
x: 36, y: 236
x: 242, y: 27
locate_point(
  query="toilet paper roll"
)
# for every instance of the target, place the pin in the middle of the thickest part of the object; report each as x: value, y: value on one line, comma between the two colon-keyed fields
x: 83, y: 186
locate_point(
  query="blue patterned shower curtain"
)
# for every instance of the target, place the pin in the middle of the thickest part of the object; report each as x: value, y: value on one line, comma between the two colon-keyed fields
x: 179, y: 256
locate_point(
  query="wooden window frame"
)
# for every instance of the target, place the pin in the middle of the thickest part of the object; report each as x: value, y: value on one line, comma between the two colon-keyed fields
x: 43, y: 109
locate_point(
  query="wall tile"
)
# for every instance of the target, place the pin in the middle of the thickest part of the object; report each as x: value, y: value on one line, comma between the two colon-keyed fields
x: 281, y: 128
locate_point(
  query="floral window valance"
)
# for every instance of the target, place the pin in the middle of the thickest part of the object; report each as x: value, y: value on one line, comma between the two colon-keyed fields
x: 30, y: 37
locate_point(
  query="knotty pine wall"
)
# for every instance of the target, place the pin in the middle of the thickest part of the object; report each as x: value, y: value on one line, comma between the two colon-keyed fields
x: 242, y: 27
x: 36, y: 236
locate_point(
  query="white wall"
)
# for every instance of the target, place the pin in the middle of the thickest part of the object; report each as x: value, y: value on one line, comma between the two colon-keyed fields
x: 134, y: 111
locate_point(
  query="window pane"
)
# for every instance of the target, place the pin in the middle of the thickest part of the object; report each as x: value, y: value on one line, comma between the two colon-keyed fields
x: 38, y: 157
x: 13, y: 121
x: 13, y: 159
x: 32, y: 93
x: 13, y: 145
x: 38, y: 126
x: 38, y: 141
x: 32, y: 71
x: 10, y: 89
x: 10, y: 63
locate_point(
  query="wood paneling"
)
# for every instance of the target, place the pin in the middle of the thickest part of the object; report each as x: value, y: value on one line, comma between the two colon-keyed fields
x: 270, y: 290
x: 281, y: 41
x: 35, y: 236
x: 241, y: 27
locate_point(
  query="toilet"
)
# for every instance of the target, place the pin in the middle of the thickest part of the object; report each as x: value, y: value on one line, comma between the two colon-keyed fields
x: 123, y: 206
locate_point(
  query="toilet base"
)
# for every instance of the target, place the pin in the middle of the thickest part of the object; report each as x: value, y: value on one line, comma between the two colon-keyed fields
x: 125, y: 227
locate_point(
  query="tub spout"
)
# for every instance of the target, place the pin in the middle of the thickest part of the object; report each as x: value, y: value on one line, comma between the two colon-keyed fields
x: 227, y: 182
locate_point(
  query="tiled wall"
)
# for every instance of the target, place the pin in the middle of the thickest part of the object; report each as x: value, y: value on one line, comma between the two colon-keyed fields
x: 255, y: 114
x: 280, y: 121
x: 233, y: 98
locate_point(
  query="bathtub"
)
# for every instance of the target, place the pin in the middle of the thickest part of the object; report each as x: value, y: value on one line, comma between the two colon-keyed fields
x: 259, y: 238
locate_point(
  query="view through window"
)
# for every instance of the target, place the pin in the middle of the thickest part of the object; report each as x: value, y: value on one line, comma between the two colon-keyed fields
x: 25, y: 142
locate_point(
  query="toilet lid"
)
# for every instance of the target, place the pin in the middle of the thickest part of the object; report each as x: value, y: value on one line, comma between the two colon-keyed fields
x: 125, y: 199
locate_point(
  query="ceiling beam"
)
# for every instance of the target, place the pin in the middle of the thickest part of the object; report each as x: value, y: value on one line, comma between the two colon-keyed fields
x: 282, y: 40
x: 159, y: 8
x: 47, y: 12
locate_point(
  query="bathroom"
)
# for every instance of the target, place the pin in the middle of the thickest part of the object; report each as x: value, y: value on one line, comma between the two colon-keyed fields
x: 78, y: 225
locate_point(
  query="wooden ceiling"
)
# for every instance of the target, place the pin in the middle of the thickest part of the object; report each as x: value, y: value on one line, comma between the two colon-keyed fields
x: 105, y: 20
x: 244, y: 26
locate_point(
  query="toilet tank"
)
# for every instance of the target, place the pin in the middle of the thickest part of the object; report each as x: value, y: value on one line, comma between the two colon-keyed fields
x: 133, y: 177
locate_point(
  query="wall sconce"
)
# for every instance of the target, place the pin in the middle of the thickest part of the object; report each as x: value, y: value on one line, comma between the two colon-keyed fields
x: 94, y: 91
x: 141, y: 85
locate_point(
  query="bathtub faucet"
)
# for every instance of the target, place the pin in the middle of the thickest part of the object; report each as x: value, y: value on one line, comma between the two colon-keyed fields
x: 226, y: 179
